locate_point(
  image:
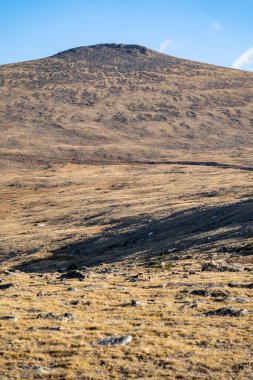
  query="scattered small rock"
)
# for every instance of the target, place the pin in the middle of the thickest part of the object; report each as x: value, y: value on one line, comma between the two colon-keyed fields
x: 136, y: 303
x: 119, y: 341
x: 33, y: 310
x: 6, y: 286
x: 227, y: 312
x: 72, y: 274
x: 221, y: 266
x: 64, y: 317
x: 48, y: 316
x: 240, y: 299
x: 71, y: 289
x: 237, y: 285
x: 86, y: 303
x: 74, y: 302
x: 134, y: 278
x: 194, y: 304
x: 45, y: 328
x: 218, y: 294
x: 67, y: 317
x: 39, y: 368
x: 8, y: 318
x: 105, y: 271
x: 43, y: 294
x: 94, y: 286
x: 119, y: 288
x: 200, y: 292
x: 207, y: 293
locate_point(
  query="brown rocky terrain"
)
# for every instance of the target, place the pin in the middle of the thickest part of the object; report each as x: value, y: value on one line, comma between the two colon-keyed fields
x: 123, y: 103
x: 132, y: 171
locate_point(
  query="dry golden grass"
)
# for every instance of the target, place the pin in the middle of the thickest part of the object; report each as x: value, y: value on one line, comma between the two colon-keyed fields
x: 58, y: 207
x: 170, y: 337
x: 49, y: 221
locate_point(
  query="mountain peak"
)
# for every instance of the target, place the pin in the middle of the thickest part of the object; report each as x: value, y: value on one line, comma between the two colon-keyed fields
x: 135, y: 50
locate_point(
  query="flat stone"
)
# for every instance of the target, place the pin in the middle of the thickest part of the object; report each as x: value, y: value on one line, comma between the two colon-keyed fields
x: 200, y: 292
x: 119, y: 341
x: 218, y: 293
x: 72, y: 274
x: 227, y: 312
x: 6, y: 286
x: 8, y: 318
x: 44, y: 328
x: 237, y: 285
x: 221, y: 266
x: 43, y: 294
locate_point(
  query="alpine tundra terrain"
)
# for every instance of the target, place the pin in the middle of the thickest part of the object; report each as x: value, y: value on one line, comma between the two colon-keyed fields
x: 126, y: 217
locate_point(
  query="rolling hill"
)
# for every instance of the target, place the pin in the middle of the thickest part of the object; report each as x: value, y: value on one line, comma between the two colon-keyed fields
x: 123, y: 103
x: 126, y: 217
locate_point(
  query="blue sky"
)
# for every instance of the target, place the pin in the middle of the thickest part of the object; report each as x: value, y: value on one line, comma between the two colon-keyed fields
x: 213, y: 31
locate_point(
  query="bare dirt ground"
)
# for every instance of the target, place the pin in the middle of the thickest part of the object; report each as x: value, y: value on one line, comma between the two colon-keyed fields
x: 134, y: 170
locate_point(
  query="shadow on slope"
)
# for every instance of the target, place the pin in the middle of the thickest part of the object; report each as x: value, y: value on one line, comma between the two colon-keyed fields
x: 201, y: 163
x: 191, y: 230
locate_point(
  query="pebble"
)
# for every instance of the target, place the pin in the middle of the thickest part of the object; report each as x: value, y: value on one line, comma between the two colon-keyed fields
x: 71, y: 289
x: 136, y: 303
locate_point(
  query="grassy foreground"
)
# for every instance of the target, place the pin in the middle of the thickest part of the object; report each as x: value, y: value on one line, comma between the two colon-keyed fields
x: 171, y: 338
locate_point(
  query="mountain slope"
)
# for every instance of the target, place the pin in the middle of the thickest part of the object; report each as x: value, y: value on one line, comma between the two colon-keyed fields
x: 135, y: 168
x: 123, y: 103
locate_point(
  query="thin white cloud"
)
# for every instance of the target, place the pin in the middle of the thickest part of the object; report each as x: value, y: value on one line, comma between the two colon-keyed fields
x: 165, y: 44
x: 216, y: 26
x: 245, y: 58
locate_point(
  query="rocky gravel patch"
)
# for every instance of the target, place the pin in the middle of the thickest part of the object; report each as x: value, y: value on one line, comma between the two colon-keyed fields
x: 226, y: 312
x: 221, y: 266
x: 73, y: 274
x: 118, y: 341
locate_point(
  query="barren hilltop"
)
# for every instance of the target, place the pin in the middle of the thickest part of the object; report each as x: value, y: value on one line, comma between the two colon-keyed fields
x: 123, y: 103
x: 126, y: 217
